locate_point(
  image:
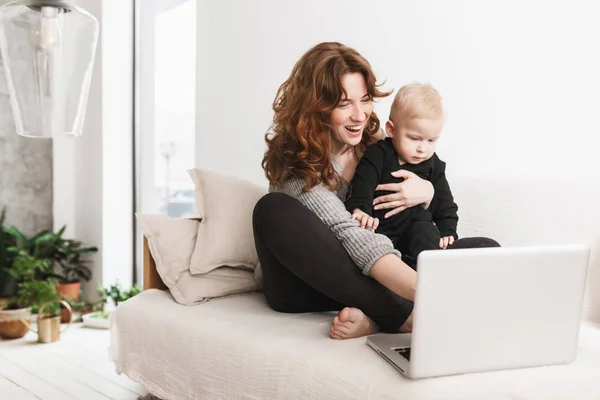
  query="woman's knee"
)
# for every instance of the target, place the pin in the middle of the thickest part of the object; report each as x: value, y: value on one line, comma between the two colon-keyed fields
x: 269, y: 209
x: 266, y: 204
x: 272, y: 208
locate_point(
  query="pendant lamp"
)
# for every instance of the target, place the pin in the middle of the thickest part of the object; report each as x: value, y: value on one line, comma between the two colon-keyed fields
x: 48, y: 49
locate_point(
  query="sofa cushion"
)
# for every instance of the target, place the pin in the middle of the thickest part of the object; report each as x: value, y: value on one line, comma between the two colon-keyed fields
x: 225, y: 236
x: 171, y: 242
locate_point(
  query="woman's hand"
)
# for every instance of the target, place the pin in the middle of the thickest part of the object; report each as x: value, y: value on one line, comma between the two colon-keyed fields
x: 408, y: 193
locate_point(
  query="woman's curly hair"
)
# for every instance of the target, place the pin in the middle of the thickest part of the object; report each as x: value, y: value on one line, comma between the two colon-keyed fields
x: 299, y: 144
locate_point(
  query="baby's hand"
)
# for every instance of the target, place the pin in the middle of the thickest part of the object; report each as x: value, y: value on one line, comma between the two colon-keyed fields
x: 446, y: 241
x: 366, y: 221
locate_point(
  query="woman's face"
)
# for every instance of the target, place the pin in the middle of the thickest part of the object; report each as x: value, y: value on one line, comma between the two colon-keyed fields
x: 349, y: 118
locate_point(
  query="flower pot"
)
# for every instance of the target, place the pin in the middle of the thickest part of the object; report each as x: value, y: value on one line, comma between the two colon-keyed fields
x: 14, y: 324
x: 65, y: 316
x: 97, y: 320
x: 69, y: 290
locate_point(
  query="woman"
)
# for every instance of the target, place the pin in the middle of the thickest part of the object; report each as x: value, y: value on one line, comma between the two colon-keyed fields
x: 308, y: 245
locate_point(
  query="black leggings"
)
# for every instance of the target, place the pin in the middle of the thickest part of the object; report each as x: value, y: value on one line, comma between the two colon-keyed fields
x: 306, y: 269
x: 419, y: 236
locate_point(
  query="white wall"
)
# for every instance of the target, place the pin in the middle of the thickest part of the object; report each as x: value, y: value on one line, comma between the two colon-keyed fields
x: 520, y: 78
x: 93, y: 191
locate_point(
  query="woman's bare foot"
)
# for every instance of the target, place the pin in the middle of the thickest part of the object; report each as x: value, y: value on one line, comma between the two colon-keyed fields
x: 352, y: 323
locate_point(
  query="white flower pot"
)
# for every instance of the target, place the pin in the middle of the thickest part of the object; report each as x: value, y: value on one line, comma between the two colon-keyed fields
x: 92, y: 320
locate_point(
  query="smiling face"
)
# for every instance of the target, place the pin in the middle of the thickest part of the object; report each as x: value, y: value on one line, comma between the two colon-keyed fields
x: 415, y: 139
x: 350, y: 117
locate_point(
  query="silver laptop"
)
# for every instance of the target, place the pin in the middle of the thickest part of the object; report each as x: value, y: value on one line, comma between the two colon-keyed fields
x: 491, y: 309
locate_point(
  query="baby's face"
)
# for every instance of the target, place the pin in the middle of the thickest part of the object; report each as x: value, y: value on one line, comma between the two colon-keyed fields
x: 415, y: 140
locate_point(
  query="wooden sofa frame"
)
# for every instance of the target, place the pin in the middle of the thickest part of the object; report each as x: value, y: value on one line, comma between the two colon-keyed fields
x: 151, y: 277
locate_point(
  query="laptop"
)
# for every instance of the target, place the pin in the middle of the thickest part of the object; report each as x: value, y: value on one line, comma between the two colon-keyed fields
x: 491, y: 309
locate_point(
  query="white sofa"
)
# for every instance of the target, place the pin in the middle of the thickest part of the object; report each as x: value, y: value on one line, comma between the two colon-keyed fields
x: 237, y: 348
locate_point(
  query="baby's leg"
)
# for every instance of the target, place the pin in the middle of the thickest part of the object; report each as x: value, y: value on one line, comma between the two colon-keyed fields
x: 420, y: 236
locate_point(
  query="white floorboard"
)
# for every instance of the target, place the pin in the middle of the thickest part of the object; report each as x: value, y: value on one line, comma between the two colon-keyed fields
x: 11, y: 390
x: 76, y: 367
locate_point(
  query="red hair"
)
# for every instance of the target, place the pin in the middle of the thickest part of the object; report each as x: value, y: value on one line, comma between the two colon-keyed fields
x: 300, y: 143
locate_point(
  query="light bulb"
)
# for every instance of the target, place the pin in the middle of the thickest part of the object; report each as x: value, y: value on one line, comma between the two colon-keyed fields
x: 49, y: 28
x: 49, y: 66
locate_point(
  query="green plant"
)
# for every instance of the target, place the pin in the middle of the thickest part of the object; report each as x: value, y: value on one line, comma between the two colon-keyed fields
x: 3, y: 244
x: 79, y: 305
x: 31, y: 290
x: 7, y: 284
x: 26, y: 267
x: 35, y: 294
x: 100, y: 314
x: 68, y: 256
x: 41, y: 245
x: 74, y: 262
x: 116, y: 293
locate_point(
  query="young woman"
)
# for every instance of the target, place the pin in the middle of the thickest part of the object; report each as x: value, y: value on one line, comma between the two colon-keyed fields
x: 313, y: 255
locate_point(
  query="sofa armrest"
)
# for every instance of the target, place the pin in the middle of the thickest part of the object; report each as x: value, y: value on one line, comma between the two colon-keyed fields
x: 152, y: 279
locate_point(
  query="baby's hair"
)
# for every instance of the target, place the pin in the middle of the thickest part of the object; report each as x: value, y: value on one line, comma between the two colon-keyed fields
x: 417, y: 100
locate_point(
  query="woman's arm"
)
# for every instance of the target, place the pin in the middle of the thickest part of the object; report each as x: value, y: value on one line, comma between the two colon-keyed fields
x: 394, y: 274
x: 373, y: 253
x: 408, y: 193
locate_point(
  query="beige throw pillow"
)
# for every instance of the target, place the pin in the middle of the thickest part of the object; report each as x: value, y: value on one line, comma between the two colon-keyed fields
x: 225, y: 236
x: 171, y: 242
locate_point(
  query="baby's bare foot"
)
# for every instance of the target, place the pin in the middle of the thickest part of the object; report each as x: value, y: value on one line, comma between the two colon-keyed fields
x: 352, y: 323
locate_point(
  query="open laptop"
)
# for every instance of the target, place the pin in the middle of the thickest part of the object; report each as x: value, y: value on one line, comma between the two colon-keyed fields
x: 491, y: 309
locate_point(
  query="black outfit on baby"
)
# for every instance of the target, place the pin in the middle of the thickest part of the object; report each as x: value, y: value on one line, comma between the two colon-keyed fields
x: 415, y: 229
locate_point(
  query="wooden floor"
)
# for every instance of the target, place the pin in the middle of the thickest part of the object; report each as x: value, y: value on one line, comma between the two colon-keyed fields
x: 76, y: 367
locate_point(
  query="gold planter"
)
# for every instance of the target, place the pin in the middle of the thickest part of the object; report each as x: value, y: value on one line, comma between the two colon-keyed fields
x: 48, y: 328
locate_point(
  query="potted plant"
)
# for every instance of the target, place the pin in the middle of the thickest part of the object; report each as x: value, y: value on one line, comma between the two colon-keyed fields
x: 69, y: 258
x: 78, y: 308
x: 73, y: 260
x: 8, y: 285
x: 99, y: 317
x: 117, y: 294
x: 16, y: 316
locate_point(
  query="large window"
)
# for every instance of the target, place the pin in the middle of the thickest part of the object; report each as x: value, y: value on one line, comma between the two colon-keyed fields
x: 165, y: 107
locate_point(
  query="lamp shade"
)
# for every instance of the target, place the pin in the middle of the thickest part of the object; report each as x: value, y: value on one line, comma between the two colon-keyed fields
x: 48, y: 49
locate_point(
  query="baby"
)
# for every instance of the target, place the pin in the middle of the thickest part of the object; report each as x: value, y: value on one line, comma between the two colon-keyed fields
x: 414, y: 127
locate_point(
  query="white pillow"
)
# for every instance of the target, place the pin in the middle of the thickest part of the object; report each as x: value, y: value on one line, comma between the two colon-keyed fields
x: 225, y: 236
x: 171, y: 242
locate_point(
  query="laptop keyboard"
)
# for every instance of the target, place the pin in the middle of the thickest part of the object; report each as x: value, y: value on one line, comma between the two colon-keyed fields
x: 403, y: 351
